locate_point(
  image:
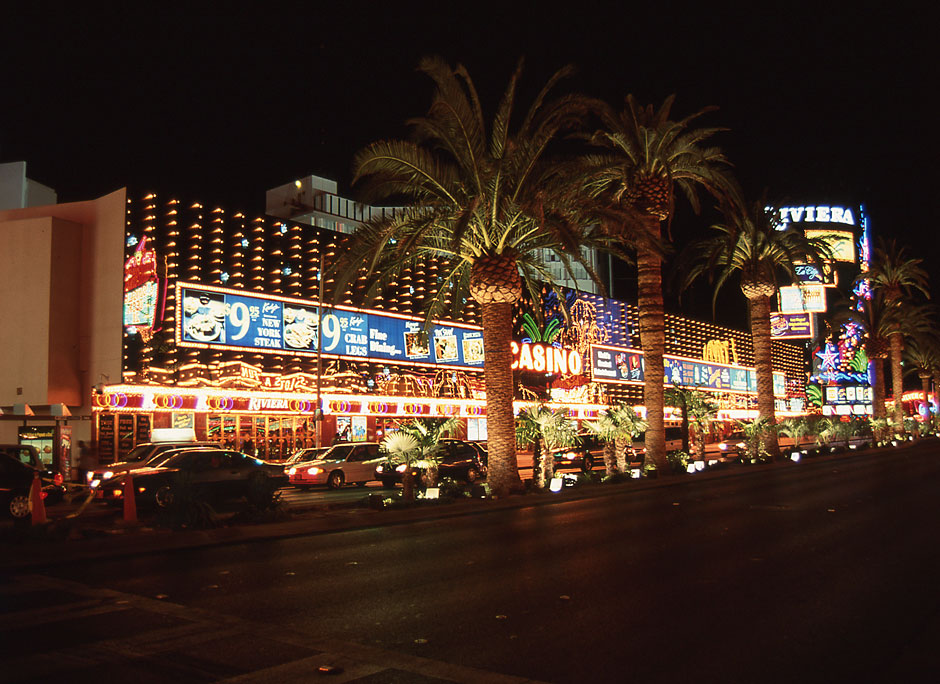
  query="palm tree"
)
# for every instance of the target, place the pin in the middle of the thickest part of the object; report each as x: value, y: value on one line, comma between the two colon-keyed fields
x: 429, y: 432
x: 631, y: 186
x: 702, y: 409
x: 796, y: 428
x: 617, y: 427
x: 545, y: 429
x: 748, y: 244
x: 922, y: 357
x: 475, y: 199
x: 898, y: 277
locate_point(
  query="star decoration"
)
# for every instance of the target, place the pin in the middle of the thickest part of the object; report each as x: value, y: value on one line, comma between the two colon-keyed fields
x: 829, y: 357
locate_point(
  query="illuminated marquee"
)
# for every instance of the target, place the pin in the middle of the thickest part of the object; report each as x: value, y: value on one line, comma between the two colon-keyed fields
x: 840, y: 242
x: 544, y: 358
x: 802, y: 299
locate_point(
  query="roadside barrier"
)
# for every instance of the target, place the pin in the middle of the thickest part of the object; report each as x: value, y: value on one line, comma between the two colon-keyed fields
x: 37, y: 508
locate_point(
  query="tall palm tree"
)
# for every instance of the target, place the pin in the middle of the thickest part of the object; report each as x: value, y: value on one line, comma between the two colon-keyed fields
x: 749, y: 245
x: 922, y: 358
x: 645, y: 158
x: 475, y: 199
x: 898, y: 277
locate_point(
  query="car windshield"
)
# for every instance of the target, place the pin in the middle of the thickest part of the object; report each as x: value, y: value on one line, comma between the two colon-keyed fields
x: 171, y: 458
x: 139, y: 453
x: 338, y: 452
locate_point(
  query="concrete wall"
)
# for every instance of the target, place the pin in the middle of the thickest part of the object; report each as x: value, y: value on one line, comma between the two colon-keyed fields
x: 17, y: 191
x: 61, y: 304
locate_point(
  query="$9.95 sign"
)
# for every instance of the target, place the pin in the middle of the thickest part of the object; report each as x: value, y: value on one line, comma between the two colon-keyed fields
x: 224, y: 318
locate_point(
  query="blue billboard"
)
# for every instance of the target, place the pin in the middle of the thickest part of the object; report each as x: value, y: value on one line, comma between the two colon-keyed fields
x: 230, y: 319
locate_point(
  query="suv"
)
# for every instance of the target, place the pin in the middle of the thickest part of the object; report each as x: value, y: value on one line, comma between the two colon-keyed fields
x: 17, y: 473
x: 455, y: 458
x: 27, y: 455
x: 139, y: 457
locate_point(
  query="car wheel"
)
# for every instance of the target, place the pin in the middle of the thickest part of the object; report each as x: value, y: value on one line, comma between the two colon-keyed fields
x: 18, y: 506
x: 335, y: 480
x: 472, y: 475
x: 164, y: 496
x: 587, y: 464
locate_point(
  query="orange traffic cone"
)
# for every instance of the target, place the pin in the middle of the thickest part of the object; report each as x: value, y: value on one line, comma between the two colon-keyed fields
x: 130, y: 500
x: 37, y: 508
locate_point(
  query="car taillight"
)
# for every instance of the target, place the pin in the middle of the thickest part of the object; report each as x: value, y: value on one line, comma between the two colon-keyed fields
x: 57, y: 479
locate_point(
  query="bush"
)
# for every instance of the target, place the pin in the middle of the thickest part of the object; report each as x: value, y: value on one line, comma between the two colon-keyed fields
x: 678, y: 461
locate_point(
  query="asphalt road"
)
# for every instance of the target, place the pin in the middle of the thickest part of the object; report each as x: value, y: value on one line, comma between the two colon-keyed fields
x: 823, y: 571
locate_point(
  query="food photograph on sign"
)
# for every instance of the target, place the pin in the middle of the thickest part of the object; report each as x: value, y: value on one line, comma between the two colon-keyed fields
x: 445, y: 347
x: 203, y: 316
x: 791, y: 325
x: 300, y: 327
x: 473, y: 349
x: 416, y: 344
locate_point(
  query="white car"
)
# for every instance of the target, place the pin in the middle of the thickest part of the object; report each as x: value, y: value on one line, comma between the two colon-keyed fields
x: 343, y: 464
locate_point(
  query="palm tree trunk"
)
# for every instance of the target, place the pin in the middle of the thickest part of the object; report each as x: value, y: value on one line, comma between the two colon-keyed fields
x: 537, y: 457
x: 760, y: 332
x: 503, y: 474
x: 925, y: 385
x: 620, y: 449
x: 897, y: 379
x: 652, y: 330
x: 610, y: 458
x: 548, y: 467
x: 878, y: 399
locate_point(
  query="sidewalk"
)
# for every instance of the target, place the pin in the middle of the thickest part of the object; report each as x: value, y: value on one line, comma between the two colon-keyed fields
x: 105, y: 538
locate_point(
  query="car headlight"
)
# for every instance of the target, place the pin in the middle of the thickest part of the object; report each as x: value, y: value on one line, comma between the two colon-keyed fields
x: 723, y: 446
x: 292, y: 471
x: 402, y: 468
x: 107, y: 475
x: 314, y: 471
x: 89, y: 476
x: 571, y: 454
x: 95, y: 483
x: 740, y: 445
x: 380, y: 468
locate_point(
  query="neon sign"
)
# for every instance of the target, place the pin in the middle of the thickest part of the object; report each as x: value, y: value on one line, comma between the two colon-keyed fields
x: 545, y: 358
x: 815, y: 214
x: 142, y: 293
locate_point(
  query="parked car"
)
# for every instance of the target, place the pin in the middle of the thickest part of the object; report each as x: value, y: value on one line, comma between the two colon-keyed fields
x: 457, y: 458
x: 215, y: 474
x: 308, y: 454
x: 345, y: 463
x: 588, y: 451
x: 732, y: 447
x: 141, y: 456
x: 17, y: 473
x: 53, y: 485
x: 673, y: 442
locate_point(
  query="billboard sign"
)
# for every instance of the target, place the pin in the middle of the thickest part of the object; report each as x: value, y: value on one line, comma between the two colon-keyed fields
x: 214, y: 317
x: 792, y: 326
x: 841, y: 243
x: 802, y: 299
x: 620, y: 365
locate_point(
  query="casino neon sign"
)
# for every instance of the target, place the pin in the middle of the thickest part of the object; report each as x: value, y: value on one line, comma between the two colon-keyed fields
x: 545, y: 358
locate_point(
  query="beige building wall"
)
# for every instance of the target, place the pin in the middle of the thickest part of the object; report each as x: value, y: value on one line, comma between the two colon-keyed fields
x: 61, y: 305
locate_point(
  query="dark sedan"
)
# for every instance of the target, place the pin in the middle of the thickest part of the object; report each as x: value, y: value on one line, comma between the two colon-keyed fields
x: 213, y: 474
x: 455, y: 458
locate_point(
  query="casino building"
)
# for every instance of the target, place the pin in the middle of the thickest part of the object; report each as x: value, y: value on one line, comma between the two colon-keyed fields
x: 157, y: 311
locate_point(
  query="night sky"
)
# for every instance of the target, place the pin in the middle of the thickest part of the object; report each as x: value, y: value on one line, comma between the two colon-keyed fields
x: 221, y: 105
